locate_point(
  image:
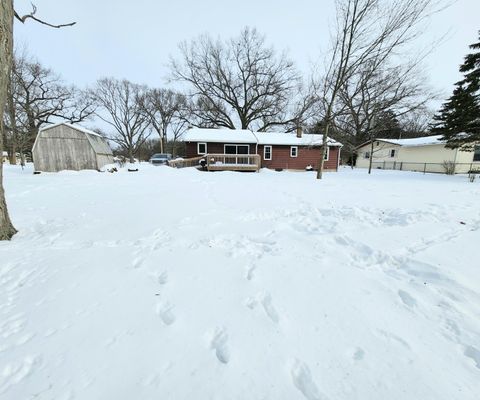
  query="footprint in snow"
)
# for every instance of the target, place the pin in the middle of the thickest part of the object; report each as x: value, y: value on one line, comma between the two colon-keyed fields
x: 474, y: 354
x: 359, y: 354
x: 303, y: 381
x: 164, y: 310
x: 219, y: 343
x: 269, y: 308
x: 162, y: 279
x: 250, y: 272
x: 407, y: 299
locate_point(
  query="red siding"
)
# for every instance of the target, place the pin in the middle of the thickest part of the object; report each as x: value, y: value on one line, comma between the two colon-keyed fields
x: 280, y: 156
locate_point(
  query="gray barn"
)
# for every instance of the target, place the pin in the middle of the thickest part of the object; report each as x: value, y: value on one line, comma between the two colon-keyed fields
x: 66, y: 146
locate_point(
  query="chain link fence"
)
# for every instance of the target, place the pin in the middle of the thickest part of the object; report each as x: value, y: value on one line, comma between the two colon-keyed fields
x: 438, y: 168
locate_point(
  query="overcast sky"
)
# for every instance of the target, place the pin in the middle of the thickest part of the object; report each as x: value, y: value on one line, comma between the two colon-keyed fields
x: 134, y: 39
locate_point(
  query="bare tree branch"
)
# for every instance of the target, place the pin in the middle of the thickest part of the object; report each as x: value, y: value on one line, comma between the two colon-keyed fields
x: 32, y: 16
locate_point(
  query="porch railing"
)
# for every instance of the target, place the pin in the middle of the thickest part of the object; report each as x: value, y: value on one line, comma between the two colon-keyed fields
x: 233, y: 161
x: 187, y: 162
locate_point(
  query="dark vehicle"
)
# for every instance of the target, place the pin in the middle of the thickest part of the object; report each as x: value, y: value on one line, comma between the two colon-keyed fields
x: 160, y: 159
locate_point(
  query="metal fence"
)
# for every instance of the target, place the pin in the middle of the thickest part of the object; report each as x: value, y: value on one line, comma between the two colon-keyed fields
x: 438, y: 168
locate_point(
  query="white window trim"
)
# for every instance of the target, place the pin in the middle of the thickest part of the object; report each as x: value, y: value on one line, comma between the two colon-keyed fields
x: 235, y: 145
x: 366, y: 155
x: 198, y: 148
x: 296, y: 151
x: 328, y: 154
x: 264, y: 153
x: 394, y: 153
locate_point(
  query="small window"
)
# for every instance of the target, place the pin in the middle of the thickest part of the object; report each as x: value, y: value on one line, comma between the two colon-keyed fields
x: 366, y: 155
x: 327, y: 154
x: 377, y: 144
x: 393, y: 153
x: 267, y: 153
x: 201, y: 148
x: 476, y: 154
x: 293, y: 151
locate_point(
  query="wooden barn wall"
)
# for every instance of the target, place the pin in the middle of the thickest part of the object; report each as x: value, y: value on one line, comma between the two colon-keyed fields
x: 61, y: 148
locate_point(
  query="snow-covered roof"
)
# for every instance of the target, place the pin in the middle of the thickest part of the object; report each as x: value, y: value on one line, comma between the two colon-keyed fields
x: 247, y: 136
x: 73, y: 126
x: 291, y: 139
x: 420, y: 141
x: 219, y: 135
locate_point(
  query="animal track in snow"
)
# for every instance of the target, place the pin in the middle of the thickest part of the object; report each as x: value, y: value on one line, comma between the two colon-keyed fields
x: 219, y: 343
x: 407, y: 299
x: 303, y: 381
x: 164, y: 310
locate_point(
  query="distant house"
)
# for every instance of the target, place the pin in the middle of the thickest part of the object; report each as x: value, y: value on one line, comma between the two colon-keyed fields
x: 236, y: 149
x: 425, y: 154
x: 72, y: 147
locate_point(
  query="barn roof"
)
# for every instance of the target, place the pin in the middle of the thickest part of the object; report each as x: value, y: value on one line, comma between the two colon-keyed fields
x: 77, y: 127
x: 98, y: 142
x: 247, y: 136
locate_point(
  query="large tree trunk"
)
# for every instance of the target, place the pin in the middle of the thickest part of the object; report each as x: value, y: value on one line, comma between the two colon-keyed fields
x: 13, y: 155
x: 6, y: 50
x: 131, y: 159
x: 324, y: 151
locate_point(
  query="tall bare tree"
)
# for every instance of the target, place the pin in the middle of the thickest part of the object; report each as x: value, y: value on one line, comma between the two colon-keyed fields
x: 368, y: 32
x: 37, y: 95
x: 239, y: 83
x: 370, y: 95
x: 7, y: 14
x: 162, y: 107
x: 120, y: 106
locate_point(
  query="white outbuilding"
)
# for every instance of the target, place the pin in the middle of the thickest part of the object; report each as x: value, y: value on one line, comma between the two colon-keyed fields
x: 66, y: 146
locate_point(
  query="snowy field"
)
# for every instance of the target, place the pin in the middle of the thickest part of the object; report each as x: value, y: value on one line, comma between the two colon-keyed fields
x: 180, y: 284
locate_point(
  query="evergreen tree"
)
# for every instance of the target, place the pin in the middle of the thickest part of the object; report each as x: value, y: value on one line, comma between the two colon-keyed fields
x: 459, y: 118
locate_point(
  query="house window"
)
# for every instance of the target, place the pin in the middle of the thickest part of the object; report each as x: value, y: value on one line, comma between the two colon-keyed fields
x: 366, y: 155
x: 393, y: 153
x: 476, y: 154
x: 293, y: 151
x: 267, y: 152
x: 236, y: 149
x: 201, y: 148
x: 327, y: 154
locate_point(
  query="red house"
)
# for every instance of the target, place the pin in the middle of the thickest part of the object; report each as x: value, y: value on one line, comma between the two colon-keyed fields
x: 247, y: 150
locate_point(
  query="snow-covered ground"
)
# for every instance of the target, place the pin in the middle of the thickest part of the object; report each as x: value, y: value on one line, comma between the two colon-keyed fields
x: 180, y: 284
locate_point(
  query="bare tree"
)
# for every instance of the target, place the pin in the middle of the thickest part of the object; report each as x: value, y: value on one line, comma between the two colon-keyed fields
x: 368, y: 95
x: 162, y: 107
x: 37, y: 96
x: 120, y: 106
x: 239, y: 83
x: 368, y: 32
x: 7, y: 14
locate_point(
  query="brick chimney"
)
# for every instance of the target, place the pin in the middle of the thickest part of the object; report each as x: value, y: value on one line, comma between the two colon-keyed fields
x: 299, y: 131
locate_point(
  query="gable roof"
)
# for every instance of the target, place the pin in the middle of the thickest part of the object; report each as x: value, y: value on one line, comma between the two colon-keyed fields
x: 247, y: 136
x: 414, y: 142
